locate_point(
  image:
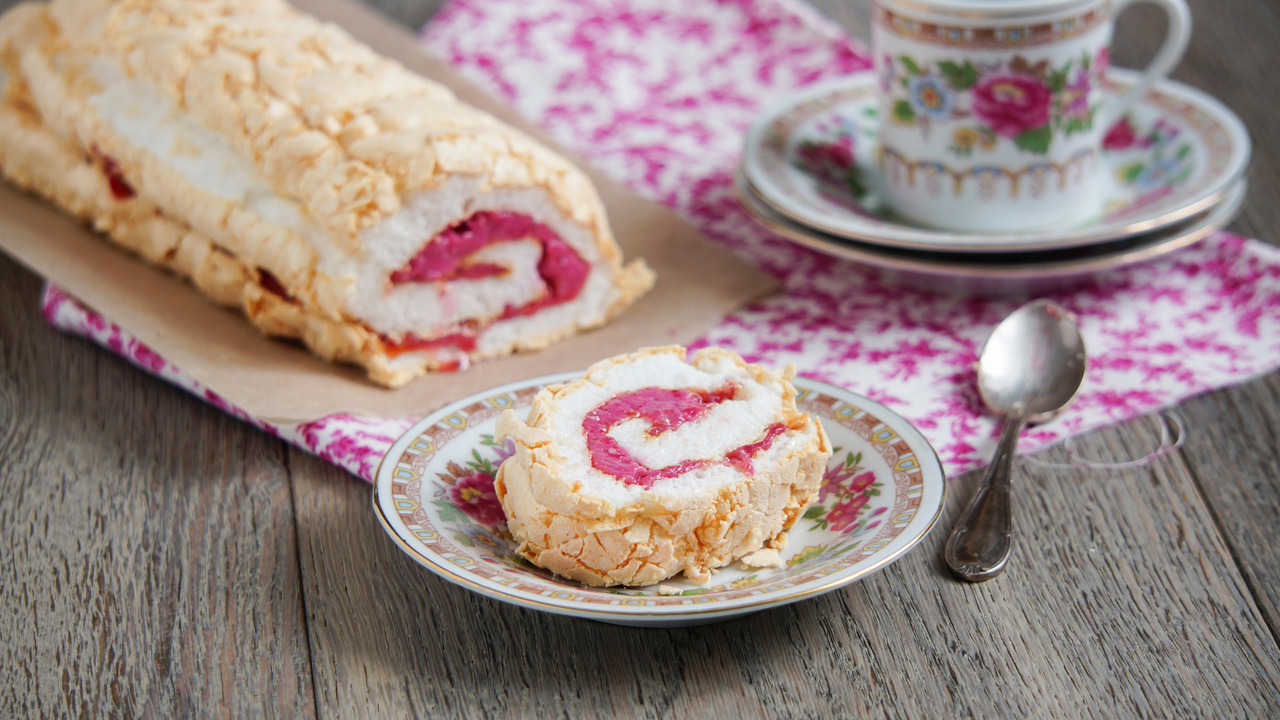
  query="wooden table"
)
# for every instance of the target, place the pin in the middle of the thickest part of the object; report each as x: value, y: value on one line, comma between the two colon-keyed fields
x: 160, y: 558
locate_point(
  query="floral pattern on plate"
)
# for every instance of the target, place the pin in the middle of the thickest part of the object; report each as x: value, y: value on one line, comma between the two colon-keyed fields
x: 830, y: 157
x: 880, y: 494
x: 1151, y: 163
x: 1212, y: 149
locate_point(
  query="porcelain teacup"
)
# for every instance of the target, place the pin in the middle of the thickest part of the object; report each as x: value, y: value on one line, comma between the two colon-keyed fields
x: 993, y: 111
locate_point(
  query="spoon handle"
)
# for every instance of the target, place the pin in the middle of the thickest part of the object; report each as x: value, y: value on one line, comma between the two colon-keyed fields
x: 983, y: 536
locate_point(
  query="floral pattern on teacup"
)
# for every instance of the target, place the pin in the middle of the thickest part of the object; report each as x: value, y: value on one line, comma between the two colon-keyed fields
x: 1149, y: 157
x: 1019, y: 101
x: 1216, y: 150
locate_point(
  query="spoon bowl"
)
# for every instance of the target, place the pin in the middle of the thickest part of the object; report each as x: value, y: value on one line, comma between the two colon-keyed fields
x: 1033, y: 363
x: 1030, y: 369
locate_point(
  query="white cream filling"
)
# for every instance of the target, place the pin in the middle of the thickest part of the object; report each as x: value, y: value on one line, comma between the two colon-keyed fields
x: 588, y: 307
x: 149, y: 119
x: 726, y: 427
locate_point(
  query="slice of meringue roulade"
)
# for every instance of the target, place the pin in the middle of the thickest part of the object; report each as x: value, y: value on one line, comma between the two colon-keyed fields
x: 653, y: 464
x: 287, y: 169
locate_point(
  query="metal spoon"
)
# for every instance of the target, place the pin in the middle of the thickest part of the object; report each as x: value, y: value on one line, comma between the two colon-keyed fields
x: 1030, y: 369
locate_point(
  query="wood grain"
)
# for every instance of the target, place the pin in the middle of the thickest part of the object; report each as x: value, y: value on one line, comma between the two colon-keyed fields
x: 161, y: 559
x: 1232, y: 454
x: 149, y: 554
x: 1232, y: 449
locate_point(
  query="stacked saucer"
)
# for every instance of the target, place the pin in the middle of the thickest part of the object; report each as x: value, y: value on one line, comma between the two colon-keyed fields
x: 1171, y: 173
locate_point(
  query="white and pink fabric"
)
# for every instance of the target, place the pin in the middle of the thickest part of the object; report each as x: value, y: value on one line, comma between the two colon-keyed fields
x: 658, y: 95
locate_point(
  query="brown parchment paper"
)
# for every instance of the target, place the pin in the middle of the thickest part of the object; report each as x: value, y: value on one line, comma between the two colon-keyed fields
x: 698, y: 283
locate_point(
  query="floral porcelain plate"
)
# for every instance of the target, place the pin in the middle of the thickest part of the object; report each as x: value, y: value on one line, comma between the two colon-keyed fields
x: 813, y: 158
x: 882, y: 492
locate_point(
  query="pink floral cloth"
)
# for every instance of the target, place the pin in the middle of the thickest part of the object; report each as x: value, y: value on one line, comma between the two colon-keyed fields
x: 658, y: 95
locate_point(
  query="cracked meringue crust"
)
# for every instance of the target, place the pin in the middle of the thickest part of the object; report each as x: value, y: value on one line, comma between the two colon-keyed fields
x: 578, y: 521
x: 287, y: 169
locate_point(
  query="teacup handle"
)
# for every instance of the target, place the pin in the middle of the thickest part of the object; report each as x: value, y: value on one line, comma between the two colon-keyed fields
x: 1175, y: 44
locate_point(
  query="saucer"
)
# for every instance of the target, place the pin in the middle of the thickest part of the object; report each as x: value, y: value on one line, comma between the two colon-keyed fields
x: 884, y: 477
x: 1174, y: 155
x: 1001, y: 272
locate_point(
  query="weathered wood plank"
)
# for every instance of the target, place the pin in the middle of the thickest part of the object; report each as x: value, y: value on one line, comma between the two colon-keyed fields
x: 149, y: 561
x: 1231, y: 450
x: 1232, y: 447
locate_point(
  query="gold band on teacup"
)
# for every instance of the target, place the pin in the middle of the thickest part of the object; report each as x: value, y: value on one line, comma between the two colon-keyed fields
x: 1034, y: 177
x: 996, y: 36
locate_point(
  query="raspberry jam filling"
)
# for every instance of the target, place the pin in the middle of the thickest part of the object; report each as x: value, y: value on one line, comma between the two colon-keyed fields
x: 665, y: 410
x: 444, y: 259
x: 272, y: 284
x: 120, y: 189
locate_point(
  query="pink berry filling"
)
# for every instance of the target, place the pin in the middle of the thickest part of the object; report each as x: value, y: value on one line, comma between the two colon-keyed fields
x: 444, y: 259
x: 120, y: 189
x: 666, y: 410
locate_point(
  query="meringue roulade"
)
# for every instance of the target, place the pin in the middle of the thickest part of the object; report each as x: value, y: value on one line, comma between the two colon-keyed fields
x: 653, y: 464
x: 287, y: 169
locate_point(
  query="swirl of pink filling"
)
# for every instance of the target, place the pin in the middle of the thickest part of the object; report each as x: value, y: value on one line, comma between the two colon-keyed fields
x: 665, y: 409
x: 444, y: 259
